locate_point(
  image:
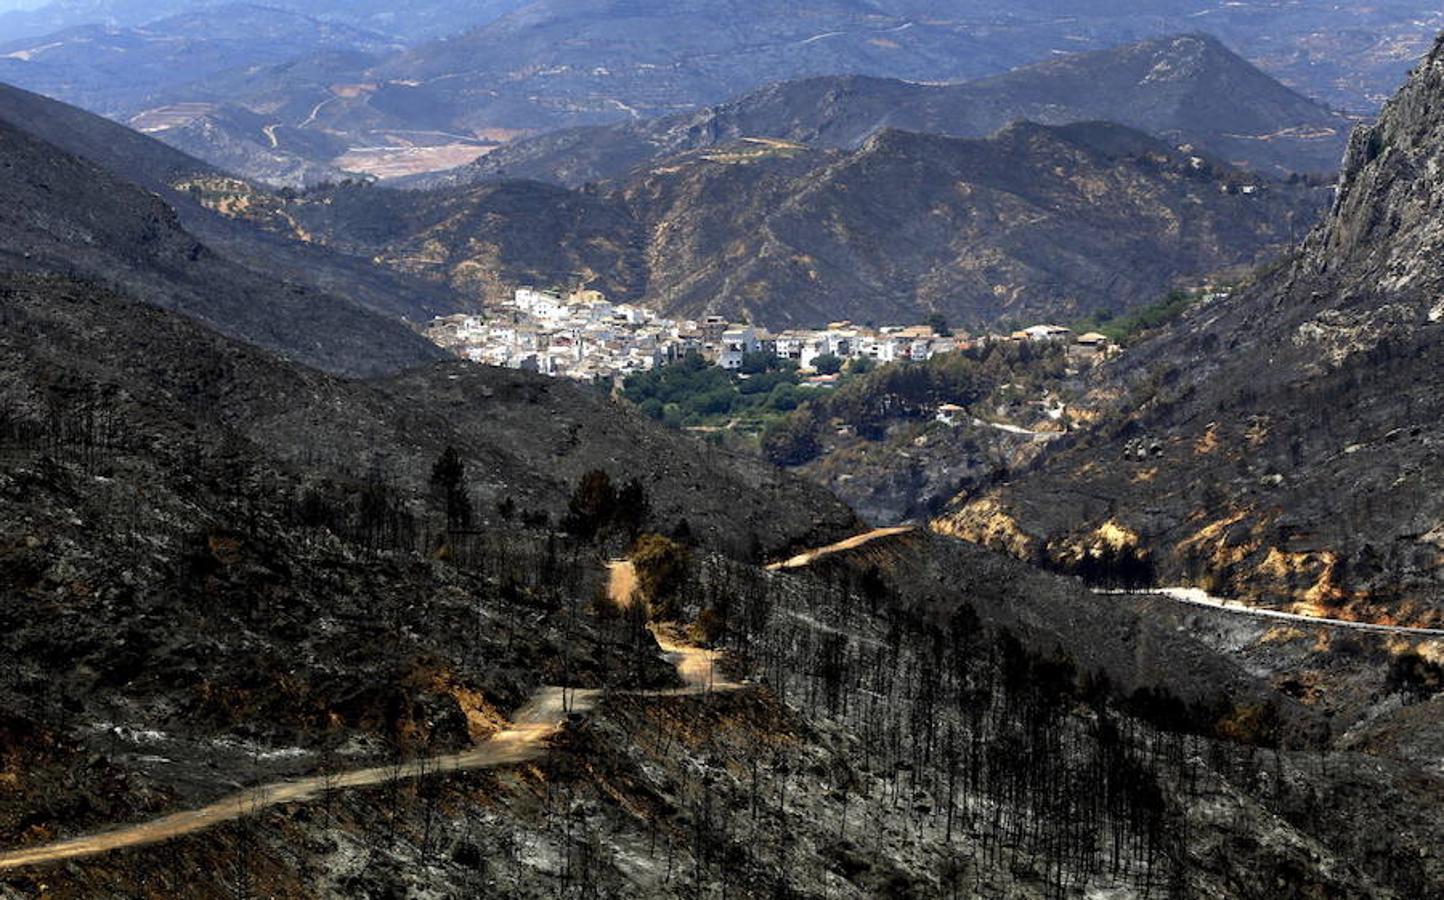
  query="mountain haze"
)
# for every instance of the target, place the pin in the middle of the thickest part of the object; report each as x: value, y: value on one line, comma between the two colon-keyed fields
x: 1185, y: 90
x: 425, y: 18
x: 326, y: 92
x: 113, y: 70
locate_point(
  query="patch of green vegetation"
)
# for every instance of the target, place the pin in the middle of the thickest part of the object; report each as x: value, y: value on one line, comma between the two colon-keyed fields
x: 903, y: 392
x: 693, y: 393
x: 1128, y: 326
x: 766, y: 405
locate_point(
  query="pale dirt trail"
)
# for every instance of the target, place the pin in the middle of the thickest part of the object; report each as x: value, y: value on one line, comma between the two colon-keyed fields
x: 803, y: 560
x: 698, y: 667
x: 521, y: 742
x: 524, y: 740
x: 1197, y: 597
x: 621, y: 582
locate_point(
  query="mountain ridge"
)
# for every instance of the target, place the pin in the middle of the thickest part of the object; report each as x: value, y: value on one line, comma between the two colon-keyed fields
x: 166, y: 172
x: 1153, y: 85
x: 67, y: 216
x: 1104, y: 218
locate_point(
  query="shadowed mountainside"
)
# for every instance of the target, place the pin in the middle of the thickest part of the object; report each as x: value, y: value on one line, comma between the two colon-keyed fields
x: 66, y: 216
x: 168, y: 173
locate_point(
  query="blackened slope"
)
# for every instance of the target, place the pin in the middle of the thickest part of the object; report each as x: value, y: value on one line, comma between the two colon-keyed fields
x: 485, y: 240
x: 177, y: 578
x: 524, y: 437
x: 66, y: 216
x: 1297, y: 425
x: 159, y: 168
x: 113, y: 147
x: 1185, y: 89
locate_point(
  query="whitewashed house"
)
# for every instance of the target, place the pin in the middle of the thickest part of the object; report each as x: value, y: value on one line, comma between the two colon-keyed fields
x: 736, y: 343
x: 1048, y: 333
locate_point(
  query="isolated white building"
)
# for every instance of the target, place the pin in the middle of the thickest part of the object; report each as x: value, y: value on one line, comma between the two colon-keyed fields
x: 1048, y: 333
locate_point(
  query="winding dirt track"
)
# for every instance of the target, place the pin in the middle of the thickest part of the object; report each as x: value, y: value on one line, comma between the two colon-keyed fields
x: 809, y: 557
x: 1188, y: 596
x: 698, y: 667
x: 523, y: 741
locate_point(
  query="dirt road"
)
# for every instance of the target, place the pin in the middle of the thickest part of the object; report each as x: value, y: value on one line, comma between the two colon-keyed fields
x: 1197, y: 597
x: 803, y: 560
x: 522, y: 741
x: 621, y: 582
x: 698, y: 667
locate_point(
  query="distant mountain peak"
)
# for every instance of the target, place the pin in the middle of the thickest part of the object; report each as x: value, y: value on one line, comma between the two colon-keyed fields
x: 1187, y: 88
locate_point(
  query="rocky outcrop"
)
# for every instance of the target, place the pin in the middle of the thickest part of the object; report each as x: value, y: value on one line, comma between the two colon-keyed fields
x: 1297, y: 423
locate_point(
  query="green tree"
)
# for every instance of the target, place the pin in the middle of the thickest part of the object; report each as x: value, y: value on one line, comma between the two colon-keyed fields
x: 827, y: 364
x: 757, y: 363
x: 783, y: 398
x: 939, y: 324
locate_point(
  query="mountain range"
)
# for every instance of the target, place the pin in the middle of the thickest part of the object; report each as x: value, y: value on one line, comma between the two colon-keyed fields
x: 246, y: 576
x: 1035, y: 222
x: 355, y: 104
x: 425, y: 18
x: 111, y: 70
x: 820, y: 233
x: 1187, y: 89
x: 309, y: 610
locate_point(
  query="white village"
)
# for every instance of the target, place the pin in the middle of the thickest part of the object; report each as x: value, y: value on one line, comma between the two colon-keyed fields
x: 583, y: 336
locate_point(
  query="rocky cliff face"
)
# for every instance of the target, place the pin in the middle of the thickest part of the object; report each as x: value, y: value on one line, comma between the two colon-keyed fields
x: 1282, y: 445
x: 1385, y: 225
